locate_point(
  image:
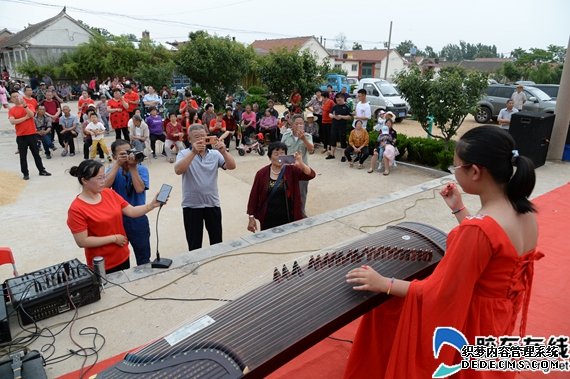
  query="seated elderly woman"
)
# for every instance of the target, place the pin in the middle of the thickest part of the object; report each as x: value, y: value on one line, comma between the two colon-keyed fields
x: 275, y: 198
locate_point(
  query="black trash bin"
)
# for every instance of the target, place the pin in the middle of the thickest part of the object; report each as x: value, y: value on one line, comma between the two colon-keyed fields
x: 531, y: 132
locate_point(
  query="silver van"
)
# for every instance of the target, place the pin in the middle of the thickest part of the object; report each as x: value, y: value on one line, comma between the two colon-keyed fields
x: 381, y: 94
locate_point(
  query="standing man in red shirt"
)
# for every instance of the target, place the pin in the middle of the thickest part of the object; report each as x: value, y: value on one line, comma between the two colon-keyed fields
x: 119, y: 115
x: 132, y: 98
x: 53, y: 110
x: 22, y: 117
x: 29, y: 100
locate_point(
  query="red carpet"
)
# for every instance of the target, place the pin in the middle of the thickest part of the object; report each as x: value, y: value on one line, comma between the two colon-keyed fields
x: 548, y: 311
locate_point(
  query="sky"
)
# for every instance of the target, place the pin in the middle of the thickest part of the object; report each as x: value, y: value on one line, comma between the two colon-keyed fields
x: 507, y: 24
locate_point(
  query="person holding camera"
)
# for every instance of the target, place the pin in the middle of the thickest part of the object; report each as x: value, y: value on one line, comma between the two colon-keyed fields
x: 130, y: 179
x: 198, y: 167
x: 275, y: 197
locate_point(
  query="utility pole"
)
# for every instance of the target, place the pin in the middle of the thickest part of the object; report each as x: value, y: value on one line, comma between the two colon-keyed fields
x: 388, y: 54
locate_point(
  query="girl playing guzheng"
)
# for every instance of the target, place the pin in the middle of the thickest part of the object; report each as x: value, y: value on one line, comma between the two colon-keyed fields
x: 480, y: 285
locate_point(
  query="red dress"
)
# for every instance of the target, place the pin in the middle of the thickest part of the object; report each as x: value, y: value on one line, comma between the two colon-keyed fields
x: 479, y: 287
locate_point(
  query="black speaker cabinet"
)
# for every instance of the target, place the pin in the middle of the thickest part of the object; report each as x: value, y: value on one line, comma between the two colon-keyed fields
x: 532, y: 131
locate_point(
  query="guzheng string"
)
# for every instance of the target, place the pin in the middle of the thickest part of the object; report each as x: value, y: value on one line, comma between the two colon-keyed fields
x: 259, y: 317
x: 285, y: 296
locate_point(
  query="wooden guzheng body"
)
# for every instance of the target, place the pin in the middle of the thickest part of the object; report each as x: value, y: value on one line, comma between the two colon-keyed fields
x: 260, y: 331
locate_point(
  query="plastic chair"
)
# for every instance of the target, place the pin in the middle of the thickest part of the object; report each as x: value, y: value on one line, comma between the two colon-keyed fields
x: 6, y: 257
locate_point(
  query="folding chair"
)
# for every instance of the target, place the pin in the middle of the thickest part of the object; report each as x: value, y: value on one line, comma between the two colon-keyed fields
x: 6, y: 257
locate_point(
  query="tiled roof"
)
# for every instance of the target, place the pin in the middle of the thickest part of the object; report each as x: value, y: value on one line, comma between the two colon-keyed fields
x: 266, y: 45
x: 32, y: 30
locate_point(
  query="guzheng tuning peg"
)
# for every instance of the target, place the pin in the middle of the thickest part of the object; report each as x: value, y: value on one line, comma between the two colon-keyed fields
x: 332, y: 259
x: 285, y: 272
x: 296, y: 269
x: 276, y: 275
x: 318, y: 262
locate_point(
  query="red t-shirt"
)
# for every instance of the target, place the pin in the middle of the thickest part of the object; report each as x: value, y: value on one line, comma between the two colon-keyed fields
x: 83, y: 104
x: 217, y: 129
x: 119, y: 120
x: 51, y: 107
x: 193, y: 104
x: 132, y: 96
x: 328, y: 105
x: 32, y: 103
x: 24, y: 128
x: 102, y: 219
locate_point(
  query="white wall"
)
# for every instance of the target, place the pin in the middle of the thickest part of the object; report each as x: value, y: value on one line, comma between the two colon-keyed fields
x: 314, y: 47
x: 63, y: 32
x: 395, y: 64
x: 347, y: 66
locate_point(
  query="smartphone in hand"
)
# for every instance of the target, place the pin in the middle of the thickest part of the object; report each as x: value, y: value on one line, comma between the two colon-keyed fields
x: 287, y: 159
x: 164, y: 193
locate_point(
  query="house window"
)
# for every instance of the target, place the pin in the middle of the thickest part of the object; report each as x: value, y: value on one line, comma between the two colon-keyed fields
x: 355, y: 67
x: 337, y: 65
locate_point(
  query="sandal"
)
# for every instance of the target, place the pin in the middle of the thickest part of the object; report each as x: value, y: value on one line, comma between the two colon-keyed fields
x: 386, y: 172
x: 370, y: 170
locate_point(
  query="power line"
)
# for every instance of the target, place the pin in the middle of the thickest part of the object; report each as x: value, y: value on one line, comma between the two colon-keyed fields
x: 181, y: 23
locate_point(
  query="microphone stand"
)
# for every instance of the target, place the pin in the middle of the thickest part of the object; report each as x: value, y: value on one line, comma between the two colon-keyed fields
x: 160, y: 262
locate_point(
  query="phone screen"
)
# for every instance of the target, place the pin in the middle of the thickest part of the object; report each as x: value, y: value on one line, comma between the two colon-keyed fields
x: 164, y: 193
x: 287, y: 159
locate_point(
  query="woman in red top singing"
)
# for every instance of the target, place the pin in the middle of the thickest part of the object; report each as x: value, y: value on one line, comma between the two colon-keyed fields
x: 480, y: 285
x: 95, y: 217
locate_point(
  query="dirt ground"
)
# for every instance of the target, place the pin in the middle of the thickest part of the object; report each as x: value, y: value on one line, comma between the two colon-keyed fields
x: 412, y: 128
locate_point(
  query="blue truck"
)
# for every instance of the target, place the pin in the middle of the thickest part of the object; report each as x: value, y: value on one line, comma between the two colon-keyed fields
x: 337, y: 81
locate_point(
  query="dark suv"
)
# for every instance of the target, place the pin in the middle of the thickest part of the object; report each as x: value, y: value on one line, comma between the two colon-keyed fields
x: 496, y: 98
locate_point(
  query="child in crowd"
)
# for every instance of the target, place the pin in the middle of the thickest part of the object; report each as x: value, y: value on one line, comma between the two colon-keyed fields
x: 97, y: 132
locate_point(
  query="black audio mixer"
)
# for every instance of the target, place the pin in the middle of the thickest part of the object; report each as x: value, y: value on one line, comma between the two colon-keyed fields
x: 53, y: 290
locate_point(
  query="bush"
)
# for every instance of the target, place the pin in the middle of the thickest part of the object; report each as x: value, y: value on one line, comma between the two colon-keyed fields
x: 197, y: 91
x: 255, y: 90
x: 429, y: 152
x: 261, y: 100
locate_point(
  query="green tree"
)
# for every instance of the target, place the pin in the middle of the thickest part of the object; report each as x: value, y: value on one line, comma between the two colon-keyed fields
x: 430, y: 53
x: 449, y: 98
x: 558, y: 53
x: 356, y: 46
x: 538, y: 65
x: 156, y: 75
x: 510, y: 71
x: 404, y: 48
x: 284, y: 70
x: 117, y: 57
x: 217, y: 64
x: 451, y: 52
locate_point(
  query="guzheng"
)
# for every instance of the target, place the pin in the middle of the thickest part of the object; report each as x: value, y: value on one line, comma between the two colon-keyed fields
x: 260, y: 331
